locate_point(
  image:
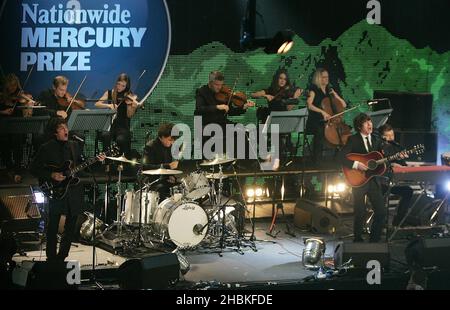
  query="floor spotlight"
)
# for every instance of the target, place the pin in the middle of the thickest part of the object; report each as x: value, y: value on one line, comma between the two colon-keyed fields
x: 313, y: 252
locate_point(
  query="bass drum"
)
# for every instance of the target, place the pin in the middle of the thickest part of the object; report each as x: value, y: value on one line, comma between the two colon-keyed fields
x: 181, y: 222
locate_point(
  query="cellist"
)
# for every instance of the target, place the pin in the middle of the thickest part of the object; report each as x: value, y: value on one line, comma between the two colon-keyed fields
x: 318, y: 91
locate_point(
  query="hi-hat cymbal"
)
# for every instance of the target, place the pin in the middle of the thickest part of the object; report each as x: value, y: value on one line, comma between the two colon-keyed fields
x: 162, y: 171
x: 216, y: 176
x: 123, y: 159
x: 216, y: 161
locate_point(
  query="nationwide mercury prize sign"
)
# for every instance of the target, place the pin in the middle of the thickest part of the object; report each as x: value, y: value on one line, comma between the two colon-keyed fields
x: 99, y: 39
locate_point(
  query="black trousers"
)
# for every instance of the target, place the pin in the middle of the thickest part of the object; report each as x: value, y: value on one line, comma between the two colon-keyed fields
x: 55, y: 211
x: 318, y: 133
x: 374, y: 192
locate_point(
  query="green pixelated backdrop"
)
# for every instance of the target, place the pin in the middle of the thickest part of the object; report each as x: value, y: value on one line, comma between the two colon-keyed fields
x: 364, y: 58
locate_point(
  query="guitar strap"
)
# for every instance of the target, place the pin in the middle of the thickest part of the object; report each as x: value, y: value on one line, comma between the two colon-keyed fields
x: 72, y: 150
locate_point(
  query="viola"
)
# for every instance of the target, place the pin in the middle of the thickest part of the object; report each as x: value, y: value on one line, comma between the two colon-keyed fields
x: 227, y: 96
x: 66, y: 100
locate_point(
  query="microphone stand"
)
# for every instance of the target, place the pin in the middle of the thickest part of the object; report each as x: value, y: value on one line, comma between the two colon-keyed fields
x: 94, y: 233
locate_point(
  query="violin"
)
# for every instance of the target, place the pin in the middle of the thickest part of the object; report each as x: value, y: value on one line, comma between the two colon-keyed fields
x: 67, y: 99
x: 227, y: 96
x: 22, y: 99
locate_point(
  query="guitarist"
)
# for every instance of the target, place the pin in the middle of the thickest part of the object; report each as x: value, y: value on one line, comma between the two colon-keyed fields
x: 363, y: 142
x: 54, y: 153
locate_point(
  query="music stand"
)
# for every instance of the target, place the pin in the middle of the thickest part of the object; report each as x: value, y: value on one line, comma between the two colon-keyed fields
x: 379, y: 118
x: 288, y: 122
x: 24, y: 125
x: 85, y: 120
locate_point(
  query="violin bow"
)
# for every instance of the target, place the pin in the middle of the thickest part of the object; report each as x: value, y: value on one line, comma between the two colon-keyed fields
x: 75, y: 95
x: 234, y: 87
x: 137, y: 84
x: 28, y: 77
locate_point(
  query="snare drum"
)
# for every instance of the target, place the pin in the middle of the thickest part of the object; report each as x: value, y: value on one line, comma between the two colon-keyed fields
x: 150, y: 201
x: 181, y: 222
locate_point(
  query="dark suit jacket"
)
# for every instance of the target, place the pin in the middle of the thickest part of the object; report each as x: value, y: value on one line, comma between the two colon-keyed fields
x: 205, y: 106
x: 55, y: 153
x: 355, y: 144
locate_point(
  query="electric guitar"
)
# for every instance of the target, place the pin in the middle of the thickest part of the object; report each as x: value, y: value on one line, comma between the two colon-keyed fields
x: 376, y: 163
x: 58, y: 190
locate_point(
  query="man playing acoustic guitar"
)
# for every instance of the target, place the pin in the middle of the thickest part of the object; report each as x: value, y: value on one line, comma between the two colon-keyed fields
x: 363, y: 142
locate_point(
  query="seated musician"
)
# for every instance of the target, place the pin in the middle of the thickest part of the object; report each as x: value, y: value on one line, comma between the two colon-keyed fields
x: 57, y: 98
x: 405, y: 192
x: 211, y: 110
x: 57, y: 101
x: 119, y: 99
x: 281, y: 95
x: 11, y: 144
x: 319, y: 90
x: 364, y: 142
x: 53, y: 154
x: 157, y: 154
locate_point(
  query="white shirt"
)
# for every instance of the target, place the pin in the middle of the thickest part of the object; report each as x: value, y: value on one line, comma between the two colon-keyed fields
x: 355, y: 164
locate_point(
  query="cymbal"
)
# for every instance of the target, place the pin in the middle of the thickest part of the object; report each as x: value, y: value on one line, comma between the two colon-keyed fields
x: 162, y: 171
x: 217, y: 161
x: 123, y: 159
x: 215, y: 176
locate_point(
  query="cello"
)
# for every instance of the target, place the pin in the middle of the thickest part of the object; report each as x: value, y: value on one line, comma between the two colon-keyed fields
x: 337, y: 131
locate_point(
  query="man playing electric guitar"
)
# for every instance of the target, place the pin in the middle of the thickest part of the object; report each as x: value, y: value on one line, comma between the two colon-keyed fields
x: 363, y: 142
x: 54, y: 154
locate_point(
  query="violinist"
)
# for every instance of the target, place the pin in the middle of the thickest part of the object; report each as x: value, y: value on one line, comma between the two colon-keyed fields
x: 11, y: 144
x: 14, y: 96
x: 122, y: 100
x: 58, y: 100
x: 212, y: 110
x: 319, y: 90
x: 281, y: 95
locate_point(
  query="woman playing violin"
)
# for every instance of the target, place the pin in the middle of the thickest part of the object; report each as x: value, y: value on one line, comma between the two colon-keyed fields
x: 58, y: 101
x: 14, y: 96
x: 11, y: 144
x: 122, y: 100
x: 278, y: 95
x: 319, y: 90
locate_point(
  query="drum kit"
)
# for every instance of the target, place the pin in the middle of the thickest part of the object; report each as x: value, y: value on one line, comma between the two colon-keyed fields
x: 196, y: 212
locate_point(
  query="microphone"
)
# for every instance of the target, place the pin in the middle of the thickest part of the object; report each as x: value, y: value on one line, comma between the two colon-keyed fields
x: 77, y: 138
x: 375, y: 101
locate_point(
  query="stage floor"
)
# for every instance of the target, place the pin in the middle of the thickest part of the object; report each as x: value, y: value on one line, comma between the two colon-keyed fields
x: 274, y: 260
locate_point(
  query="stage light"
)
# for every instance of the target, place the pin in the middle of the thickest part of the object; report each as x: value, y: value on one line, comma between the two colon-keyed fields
x: 447, y: 186
x: 281, y: 43
x: 38, y: 197
x: 250, y: 193
x: 259, y: 192
x: 313, y: 252
x: 341, y: 187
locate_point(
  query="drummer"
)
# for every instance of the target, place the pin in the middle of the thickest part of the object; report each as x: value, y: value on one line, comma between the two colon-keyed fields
x: 158, y: 153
